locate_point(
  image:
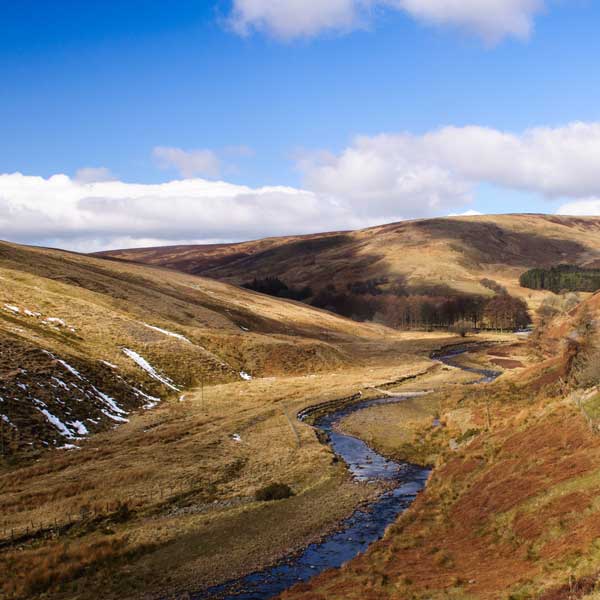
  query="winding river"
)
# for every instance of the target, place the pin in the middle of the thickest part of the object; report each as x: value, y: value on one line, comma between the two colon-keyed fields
x: 365, y: 526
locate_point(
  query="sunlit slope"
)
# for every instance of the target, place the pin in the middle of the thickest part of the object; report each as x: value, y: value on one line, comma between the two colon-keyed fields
x: 87, y: 341
x: 454, y: 252
x: 511, y: 509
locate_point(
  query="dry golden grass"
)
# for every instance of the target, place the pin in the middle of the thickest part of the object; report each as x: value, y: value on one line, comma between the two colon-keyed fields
x: 511, y: 512
x: 188, y: 485
x: 166, y: 502
x: 107, y: 306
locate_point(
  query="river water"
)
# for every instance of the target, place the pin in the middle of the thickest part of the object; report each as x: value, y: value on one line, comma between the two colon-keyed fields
x: 359, y: 531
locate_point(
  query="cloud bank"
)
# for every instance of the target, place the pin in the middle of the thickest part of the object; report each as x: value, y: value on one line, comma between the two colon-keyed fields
x: 491, y: 20
x: 443, y: 167
x: 374, y: 180
x: 64, y: 212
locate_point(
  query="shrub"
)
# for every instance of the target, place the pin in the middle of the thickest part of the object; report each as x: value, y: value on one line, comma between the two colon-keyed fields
x: 588, y: 374
x: 123, y: 512
x: 274, y: 491
x: 462, y: 328
x: 490, y: 284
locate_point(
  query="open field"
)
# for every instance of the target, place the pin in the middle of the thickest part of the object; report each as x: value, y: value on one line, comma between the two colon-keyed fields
x: 163, y: 498
x: 78, y: 332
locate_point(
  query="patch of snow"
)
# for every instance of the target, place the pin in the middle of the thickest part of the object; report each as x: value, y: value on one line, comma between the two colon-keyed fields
x: 144, y: 364
x: 245, y: 376
x: 80, y: 427
x: 68, y: 447
x: 110, y: 402
x: 108, y: 364
x: 236, y: 437
x: 60, y: 382
x: 22, y: 386
x: 69, y: 368
x: 244, y: 328
x: 31, y: 313
x: 7, y: 421
x: 66, y: 365
x: 113, y: 417
x: 12, y: 308
x: 55, y: 321
x: 169, y: 333
x: 62, y: 428
x: 182, y: 398
x: 152, y: 400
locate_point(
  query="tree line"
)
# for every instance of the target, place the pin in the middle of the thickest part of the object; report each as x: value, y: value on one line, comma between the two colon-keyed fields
x: 273, y: 286
x: 398, y: 307
x: 562, y: 278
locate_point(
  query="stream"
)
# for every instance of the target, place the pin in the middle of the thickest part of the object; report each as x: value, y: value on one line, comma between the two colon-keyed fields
x: 365, y: 526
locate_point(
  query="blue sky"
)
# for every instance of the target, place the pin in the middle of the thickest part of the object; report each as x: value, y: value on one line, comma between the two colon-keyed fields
x: 150, y: 92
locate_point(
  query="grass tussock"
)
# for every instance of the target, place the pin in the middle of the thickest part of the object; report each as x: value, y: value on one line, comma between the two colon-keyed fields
x: 36, y: 571
x: 274, y: 491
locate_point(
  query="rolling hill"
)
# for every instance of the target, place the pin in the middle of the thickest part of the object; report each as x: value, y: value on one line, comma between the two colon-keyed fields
x: 85, y: 342
x: 422, y: 256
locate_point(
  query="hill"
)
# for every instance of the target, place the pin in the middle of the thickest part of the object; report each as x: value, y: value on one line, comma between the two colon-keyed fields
x: 87, y: 341
x: 168, y: 501
x: 430, y: 256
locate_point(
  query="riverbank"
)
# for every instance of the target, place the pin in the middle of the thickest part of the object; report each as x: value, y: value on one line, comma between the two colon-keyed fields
x: 510, y: 510
x: 366, y: 525
x: 186, y: 474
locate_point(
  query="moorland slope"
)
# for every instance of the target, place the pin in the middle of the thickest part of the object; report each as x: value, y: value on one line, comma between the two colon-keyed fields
x: 452, y: 253
x: 511, y: 509
x: 167, y: 501
x: 86, y: 341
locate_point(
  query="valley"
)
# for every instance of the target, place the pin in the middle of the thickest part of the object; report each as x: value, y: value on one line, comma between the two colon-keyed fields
x: 148, y: 412
x: 300, y: 300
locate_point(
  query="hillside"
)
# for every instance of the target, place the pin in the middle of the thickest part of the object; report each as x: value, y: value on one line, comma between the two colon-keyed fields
x: 423, y: 256
x: 511, y: 508
x: 188, y: 388
x: 86, y: 342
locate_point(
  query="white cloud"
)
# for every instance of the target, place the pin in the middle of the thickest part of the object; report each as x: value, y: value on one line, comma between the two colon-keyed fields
x: 188, y: 163
x: 441, y: 169
x: 582, y: 207
x: 490, y: 19
x: 293, y: 18
x: 381, y: 179
x: 375, y: 180
x: 467, y: 213
x: 92, y: 174
x: 60, y: 211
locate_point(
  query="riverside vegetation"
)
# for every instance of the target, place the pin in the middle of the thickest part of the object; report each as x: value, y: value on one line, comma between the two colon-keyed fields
x: 207, y: 379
